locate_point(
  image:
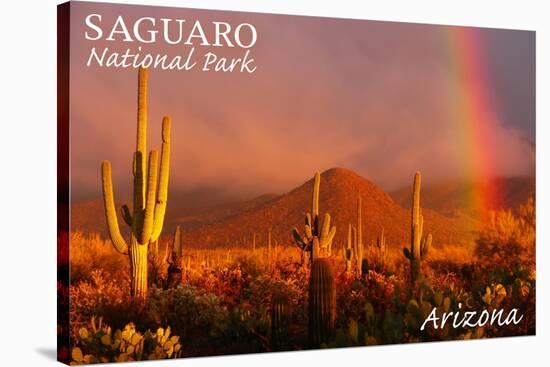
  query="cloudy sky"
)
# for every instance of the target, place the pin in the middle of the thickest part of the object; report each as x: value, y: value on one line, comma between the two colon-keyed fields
x: 379, y: 98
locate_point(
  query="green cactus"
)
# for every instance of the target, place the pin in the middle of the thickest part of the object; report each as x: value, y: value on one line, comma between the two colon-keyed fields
x: 322, y: 302
x: 175, y: 260
x: 359, y: 246
x: 420, y: 245
x: 149, y: 198
x: 317, y: 242
x: 381, y: 249
x: 494, y: 295
x: 101, y: 345
x: 280, y: 318
x: 348, y: 252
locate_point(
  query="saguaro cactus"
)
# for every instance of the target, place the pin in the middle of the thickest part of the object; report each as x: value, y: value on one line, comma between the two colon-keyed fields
x: 348, y: 252
x: 280, y: 318
x: 322, y: 302
x: 149, y: 197
x: 176, y: 265
x: 381, y: 249
x: 317, y: 242
x: 358, y: 246
x: 419, y: 245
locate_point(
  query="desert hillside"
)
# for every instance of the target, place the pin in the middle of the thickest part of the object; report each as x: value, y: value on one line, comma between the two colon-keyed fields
x: 338, y: 195
x: 235, y: 222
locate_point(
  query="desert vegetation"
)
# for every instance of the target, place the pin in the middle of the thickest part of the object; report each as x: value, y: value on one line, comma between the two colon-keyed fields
x: 263, y: 298
x: 163, y: 296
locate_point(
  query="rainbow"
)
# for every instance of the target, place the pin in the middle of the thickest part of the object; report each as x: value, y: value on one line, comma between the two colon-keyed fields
x: 472, y: 109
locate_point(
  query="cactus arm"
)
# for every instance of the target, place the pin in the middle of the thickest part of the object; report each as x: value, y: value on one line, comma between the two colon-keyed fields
x: 309, y: 226
x: 150, y: 203
x: 330, y: 236
x: 110, y: 212
x: 300, y: 242
x: 326, y: 226
x: 162, y: 196
x: 421, y: 224
x: 315, y: 248
x: 125, y: 213
x: 139, y: 184
x: 427, y: 243
x: 316, y: 184
x: 327, y: 235
x: 141, y: 139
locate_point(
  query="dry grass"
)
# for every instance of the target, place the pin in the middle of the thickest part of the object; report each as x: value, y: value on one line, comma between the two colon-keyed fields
x: 90, y: 252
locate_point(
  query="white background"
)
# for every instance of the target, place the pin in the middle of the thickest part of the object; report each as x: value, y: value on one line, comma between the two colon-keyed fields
x: 28, y: 181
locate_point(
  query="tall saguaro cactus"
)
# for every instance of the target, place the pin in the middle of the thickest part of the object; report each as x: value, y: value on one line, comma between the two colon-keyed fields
x: 381, y: 249
x: 317, y: 242
x: 419, y: 245
x: 280, y: 318
x: 176, y: 265
x: 348, y: 251
x: 358, y: 238
x: 149, y: 197
x: 322, y: 302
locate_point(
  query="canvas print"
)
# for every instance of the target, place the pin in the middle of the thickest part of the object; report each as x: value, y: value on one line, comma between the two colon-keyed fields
x: 234, y: 182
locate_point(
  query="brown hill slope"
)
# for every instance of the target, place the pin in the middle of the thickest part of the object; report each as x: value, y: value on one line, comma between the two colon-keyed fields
x: 89, y: 216
x: 338, y: 195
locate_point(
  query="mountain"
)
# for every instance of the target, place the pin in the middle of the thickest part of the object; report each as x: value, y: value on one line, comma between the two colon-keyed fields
x: 233, y: 222
x: 448, y: 198
x: 339, y: 191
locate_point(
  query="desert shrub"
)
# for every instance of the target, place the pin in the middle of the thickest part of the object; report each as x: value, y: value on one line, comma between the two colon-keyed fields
x: 98, y: 344
x: 509, y: 239
x: 226, y: 282
x: 63, y: 325
x: 100, y: 295
x: 250, y: 266
x: 377, y: 288
x: 288, y: 278
x: 192, y: 312
x: 91, y: 252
